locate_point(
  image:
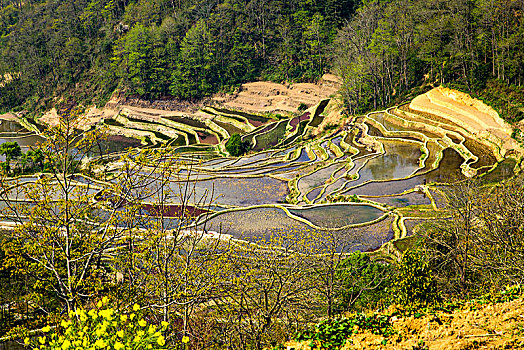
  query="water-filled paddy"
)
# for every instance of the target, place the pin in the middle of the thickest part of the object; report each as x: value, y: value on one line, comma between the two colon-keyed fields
x: 403, y: 200
x: 281, y: 170
x: 338, y: 215
x: 263, y: 223
x: 238, y: 191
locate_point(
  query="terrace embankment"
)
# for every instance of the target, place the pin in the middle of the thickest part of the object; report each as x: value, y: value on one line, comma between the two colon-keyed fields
x: 468, y: 115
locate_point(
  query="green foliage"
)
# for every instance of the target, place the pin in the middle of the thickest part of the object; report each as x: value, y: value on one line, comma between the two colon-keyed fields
x: 391, y: 47
x: 332, y: 334
x: 235, y: 146
x: 156, y: 48
x: 11, y: 151
x: 362, y: 282
x: 414, y: 285
x: 101, y: 328
x: 508, y: 101
x: 194, y: 75
x: 302, y: 107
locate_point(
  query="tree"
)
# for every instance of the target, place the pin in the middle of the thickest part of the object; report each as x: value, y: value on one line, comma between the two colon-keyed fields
x: 450, y: 242
x: 195, y: 74
x: 174, y: 265
x: 478, y: 246
x: 414, y: 285
x: 235, y: 146
x: 37, y: 158
x: 11, y: 151
x: 65, y: 228
x: 267, y: 289
x: 362, y: 283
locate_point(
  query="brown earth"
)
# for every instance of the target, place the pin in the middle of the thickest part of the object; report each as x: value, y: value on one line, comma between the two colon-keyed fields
x: 471, y: 114
x: 9, y: 116
x: 93, y: 116
x: 264, y: 96
x: 495, y: 326
x: 256, y: 97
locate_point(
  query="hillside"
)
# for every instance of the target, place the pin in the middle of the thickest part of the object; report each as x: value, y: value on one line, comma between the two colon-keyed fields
x: 385, y: 52
x: 262, y: 174
x: 476, y: 326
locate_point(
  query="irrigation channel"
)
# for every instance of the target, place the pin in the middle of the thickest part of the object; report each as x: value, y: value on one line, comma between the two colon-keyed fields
x: 374, y: 179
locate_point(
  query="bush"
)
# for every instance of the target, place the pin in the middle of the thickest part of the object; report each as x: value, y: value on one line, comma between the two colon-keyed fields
x: 302, y: 107
x: 102, y: 328
x: 235, y: 146
x: 362, y: 282
x: 332, y: 334
x: 415, y: 286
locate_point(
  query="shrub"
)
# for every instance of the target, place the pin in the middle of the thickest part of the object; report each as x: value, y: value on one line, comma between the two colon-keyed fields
x: 332, y: 334
x: 415, y: 285
x: 235, y: 146
x: 362, y: 282
x: 102, y: 328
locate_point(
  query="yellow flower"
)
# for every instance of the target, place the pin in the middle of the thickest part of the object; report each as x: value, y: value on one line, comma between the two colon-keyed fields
x: 136, y: 307
x: 152, y: 329
x: 120, y: 333
x: 65, y: 324
x: 142, y: 323
x: 99, y: 304
x: 41, y: 339
x: 100, y: 331
x: 46, y: 329
x: 132, y: 316
x: 165, y: 324
x: 106, y: 313
x: 66, y: 344
x: 100, y: 343
x: 119, y: 345
x: 105, y: 300
x: 185, y: 339
x: 161, y: 341
x: 123, y: 318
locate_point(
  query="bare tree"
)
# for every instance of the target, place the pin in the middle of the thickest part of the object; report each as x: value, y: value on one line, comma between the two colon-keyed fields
x: 66, y: 224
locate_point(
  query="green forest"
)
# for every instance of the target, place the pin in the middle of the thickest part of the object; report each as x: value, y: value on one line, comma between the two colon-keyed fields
x: 84, y: 50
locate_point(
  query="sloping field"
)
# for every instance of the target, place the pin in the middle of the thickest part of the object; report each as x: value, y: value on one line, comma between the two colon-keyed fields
x: 263, y: 96
x: 492, y: 326
x: 471, y: 114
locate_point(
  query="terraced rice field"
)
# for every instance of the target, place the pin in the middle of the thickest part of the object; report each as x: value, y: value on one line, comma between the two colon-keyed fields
x: 372, y: 181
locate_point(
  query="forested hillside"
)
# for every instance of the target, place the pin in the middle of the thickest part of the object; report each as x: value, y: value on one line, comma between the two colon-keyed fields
x: 390, y: 46
x: 153, y: 48
x: 189, y: 49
